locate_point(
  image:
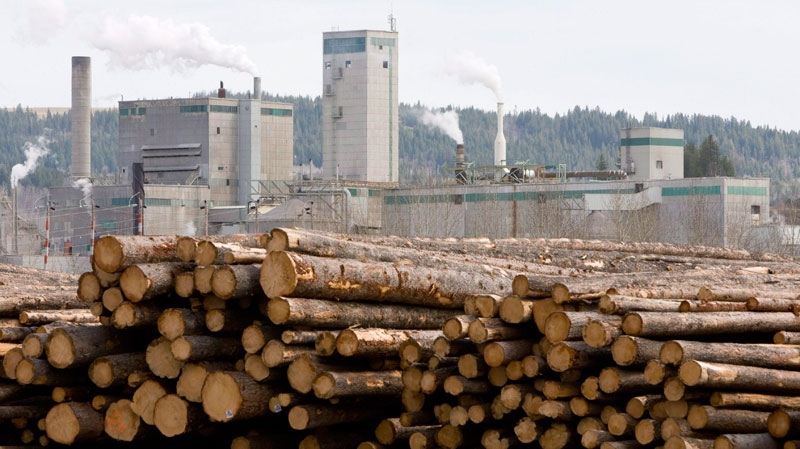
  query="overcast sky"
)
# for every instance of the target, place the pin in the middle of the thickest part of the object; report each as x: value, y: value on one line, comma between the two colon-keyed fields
x: 714, y: 57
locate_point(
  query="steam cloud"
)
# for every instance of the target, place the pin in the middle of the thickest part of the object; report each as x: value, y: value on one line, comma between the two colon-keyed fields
x: 190, y: 229
x: 85, y: 186
x: 145, y: 42
x: 470, y: 69
x: 446, y: 121
x: 33, y: 152
x: 45, y: 19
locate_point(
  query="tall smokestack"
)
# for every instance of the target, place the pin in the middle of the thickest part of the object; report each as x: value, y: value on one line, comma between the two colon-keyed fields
x: 500, y: 140
x: 221, y: 91
x: 257, y: 88
x: 81, y: 116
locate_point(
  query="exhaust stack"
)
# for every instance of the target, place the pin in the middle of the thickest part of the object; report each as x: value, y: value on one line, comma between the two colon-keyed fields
x: 81, y: 117
x: 221, y: 92
x: 257, y: 88
x: 500, y: 140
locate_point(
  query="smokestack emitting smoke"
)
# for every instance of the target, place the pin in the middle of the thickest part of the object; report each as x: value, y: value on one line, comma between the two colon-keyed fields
x: 81, y: 117
x: 257, y: 88
x: 145, y: 42
x: 446, y: 121
x: 470, y: 69
x: 33, y: 152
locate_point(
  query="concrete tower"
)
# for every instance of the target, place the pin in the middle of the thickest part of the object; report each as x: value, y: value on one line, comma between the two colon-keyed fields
x: 81, y: 116
x: 359, y: 106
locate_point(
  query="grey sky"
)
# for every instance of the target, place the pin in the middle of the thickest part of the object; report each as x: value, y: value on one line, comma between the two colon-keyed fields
x: 727, y: 58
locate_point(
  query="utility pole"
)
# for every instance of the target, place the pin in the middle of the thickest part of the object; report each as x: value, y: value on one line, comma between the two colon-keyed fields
x: 47, y: 231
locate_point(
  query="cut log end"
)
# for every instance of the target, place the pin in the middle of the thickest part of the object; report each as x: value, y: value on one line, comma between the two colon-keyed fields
x: 171, y: 415
x: 632, y: 324
x: 101, y: 372
x: 278, y: 310
x: 298, y: 418
x: 691, y: 372
x: 221, y: 397
x: 121, y: 422
x: 184, y: 284
x: 134, y: 283
x: 60, y: 349
x: 89, y: 289
x: 324, y: 386
x: 108, y: 254
x: 278, y: 275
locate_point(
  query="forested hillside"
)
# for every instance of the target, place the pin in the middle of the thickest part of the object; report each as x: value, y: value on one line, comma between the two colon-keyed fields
x: 577, y: 138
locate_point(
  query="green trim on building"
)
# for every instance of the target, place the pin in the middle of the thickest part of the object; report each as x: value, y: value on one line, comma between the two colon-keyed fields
x: 277, y: 112
x: 747, y: 190
x: 194, y: 108
x: 501, y: 196
x: 226, y: 109
x: 690, y: 191
x: 651, y: 141
x: 385, y: 41
x: 340, y: 45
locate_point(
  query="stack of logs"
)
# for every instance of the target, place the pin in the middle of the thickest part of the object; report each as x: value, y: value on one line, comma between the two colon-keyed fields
x: 297, y: 339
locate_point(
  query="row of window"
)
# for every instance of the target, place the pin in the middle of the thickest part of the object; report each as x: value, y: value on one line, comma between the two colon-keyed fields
x: 124, y: 112
x: 277, y: 112
x: 221, y: 108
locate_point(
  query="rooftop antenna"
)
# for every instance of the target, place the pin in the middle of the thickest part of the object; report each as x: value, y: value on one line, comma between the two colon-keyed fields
x: 392, y: 20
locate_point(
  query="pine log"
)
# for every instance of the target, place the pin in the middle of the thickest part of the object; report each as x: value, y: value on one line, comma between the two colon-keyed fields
x: 184, y: 284
x: 324, y: 314
x: 602, y: 333
x: 620, y: 304
x: 114, y: 369
x: 686, y: 442
x: 80, y: 345
x: 208, y: 253
x: 498, y: 439
x: 562, y: 325
x: 106, y: 279
x: 378, y: 342
x: 431, y: 380
x: 191, y: 348
x: 39, y: 317
x: 458, y: 326
x: 781, y: 422
x: 514, y: 309
x: 525, y: 430
x: 707, y: 293
x: 626, y: 444
x: 571, y: 354
x: 487, y: 305
x: 444, y: 347
x: 302, y: 372
x: 297, y: 337
x: 284, y: 274
x: 145, y: 397
x: 122, y: 423
x: 33, y: 345
x: 185, y: 248
x: 275, y: 353
x: 634, y: 351
x: 202, y: 278
x: 311, y: 416
x: 89, y: 289
x: 656, y: 324
x: 244, y: 256
x: 112, y: 298
x: 227, y: 321
x: 71, y: 394
x: 499, y: 353
x: 754, y: 401
x: 595, y: 438
x: 756, y: 304
x: 116, y: 253
x: 150, y: 280
x: 330, y: 384
x: 472, y: 366
x: 483, y: 330
x: 525, y: 287
x: 559, y: 435
x: 256, y: 336
x: 674, y: 388
x: 457, y: 385
x: 766, y: 355
x: 727, y: 420
x: 235, y: 281
x: 748, y: 378
x: 173, y: 415
x: 712, y: 306
x: 787, y: 338
x: 136, y: 315
x: 193, y: 376
x: 173, y: 323
x: 638, y: 405
x: 73, y: 422
x: 229, y: 396
x: 746, y: 440
x: 620, y: 424
x: 542, y: 308
x: 656, y: 371
x: 615, y: 380
x: 160, y: 359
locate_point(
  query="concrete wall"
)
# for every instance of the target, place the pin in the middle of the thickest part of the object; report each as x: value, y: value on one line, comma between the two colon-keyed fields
x: 360, y: 106
x: 652, y: 153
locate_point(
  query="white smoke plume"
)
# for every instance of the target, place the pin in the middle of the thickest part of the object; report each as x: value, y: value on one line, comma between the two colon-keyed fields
x: 85, y: 186
x: 33, y: 152
x: 46, y: 18
x: 145, y: 42
x: 446, y: 121
x: 190, y: 229
x: 471, y: 69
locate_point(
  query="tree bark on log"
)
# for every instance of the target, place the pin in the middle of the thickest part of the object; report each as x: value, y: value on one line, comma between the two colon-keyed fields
x: 748, y: 378
x: 707, y: 293
x: 458, y: 326
x: 151, y: 280
x: 74, y: 422
x: 756, y: 304
x: 487, y: 305
x: 571, y: 354
x: 192, y: 348
x: 330, y: 384
x: 235, y: 281
x: 675, y: 352
x: 561, y: 325
x: 753, y: 401
x: 229, y: 396
x: 599, y: 334
x: 312, y: 416
x: 499, y: 353
x: 483, y: 330
x: 515, y: 310
x: 620, y: 304
x: 613, y: 380
x: 378, y: 342
x: 173, y: 323
x: 525, y: 287
x: 114, y: 369
x: 80, y: 345
x: 781, y: 422
x: 745, y: 440
x: 256, y: 336
x: 726, y: 420
x: 285, y: 274
x: 227, y: 321
x: 712, y: 306
x: 327, y: 314
x: 135, y: 315
x: 116, y: 253
x: 655, y: 324
x: 39, y: 317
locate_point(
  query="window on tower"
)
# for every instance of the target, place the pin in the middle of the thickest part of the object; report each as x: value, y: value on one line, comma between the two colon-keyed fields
x: 385, y: 64
x: 347, y: 64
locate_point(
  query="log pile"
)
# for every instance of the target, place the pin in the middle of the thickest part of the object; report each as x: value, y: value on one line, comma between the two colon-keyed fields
x: 298, y: 339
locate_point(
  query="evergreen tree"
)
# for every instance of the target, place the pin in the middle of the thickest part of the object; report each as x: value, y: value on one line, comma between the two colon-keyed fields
x: 602, y: 164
